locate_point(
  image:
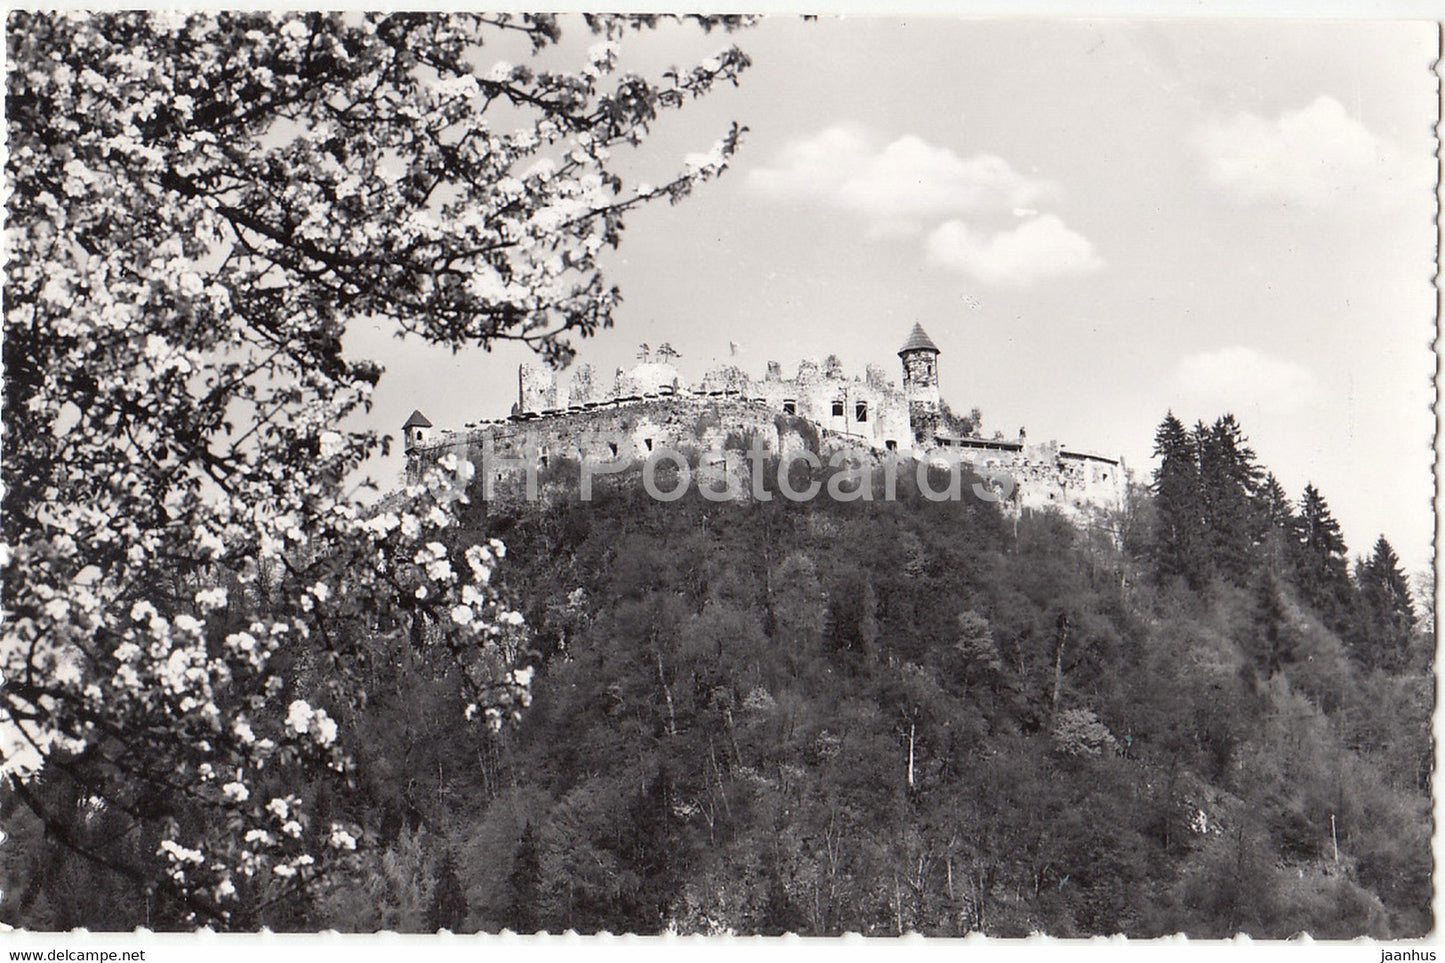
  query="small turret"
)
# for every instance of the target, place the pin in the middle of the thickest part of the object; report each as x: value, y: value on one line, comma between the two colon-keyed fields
x: 416, y: 431
x: 920, y: 383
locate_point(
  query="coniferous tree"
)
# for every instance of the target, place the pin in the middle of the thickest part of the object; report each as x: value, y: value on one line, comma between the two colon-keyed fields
x: 1229, y: 481
x: 525, y: 885
x: 1321, y: 569
x: 1276, y: 521
x: 1177, y: 497
x: 1274, y: 504
x: 448, y: 907
x: 1386, y: 615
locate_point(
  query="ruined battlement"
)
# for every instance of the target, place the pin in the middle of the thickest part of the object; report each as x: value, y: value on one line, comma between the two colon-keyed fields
x: 819, y: 409
x: 870, y: 407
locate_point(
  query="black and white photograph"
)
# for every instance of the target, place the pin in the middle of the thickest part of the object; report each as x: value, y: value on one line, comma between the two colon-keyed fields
x: 736, y: 475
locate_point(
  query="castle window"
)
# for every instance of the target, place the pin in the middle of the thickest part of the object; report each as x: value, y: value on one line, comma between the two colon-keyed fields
x: 648, y: 443
x: 612, y: 446
x: 837, y: 409
x: 790, y: 406
x: 860, y: 411
x: 891, y: 444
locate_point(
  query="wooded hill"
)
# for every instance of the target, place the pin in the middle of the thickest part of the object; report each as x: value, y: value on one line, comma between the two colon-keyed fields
x: 890, y: 717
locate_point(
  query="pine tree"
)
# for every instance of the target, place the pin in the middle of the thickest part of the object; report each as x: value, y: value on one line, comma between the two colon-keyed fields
x: 1229, y: 482
x: 448, y: 907
x: 1276, y: 520
x: 1177, y: 496
x: 525, y: 884
x: 1274, y: 505
x: 1386, y: 615
x: 1321, y: 569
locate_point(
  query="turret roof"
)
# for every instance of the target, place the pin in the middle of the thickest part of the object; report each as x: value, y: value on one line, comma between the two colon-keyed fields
x: 918, y: 340
x: 417, y: 420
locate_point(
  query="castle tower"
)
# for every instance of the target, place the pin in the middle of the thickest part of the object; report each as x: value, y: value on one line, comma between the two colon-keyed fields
x: 920, y: 383
x: 416, y: 431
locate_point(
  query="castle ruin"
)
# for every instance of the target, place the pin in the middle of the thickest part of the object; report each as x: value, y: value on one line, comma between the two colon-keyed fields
x: 820, y: 409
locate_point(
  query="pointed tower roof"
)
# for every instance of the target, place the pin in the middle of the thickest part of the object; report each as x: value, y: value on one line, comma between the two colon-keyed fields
x: 918, y: 340
x: 417, y: 420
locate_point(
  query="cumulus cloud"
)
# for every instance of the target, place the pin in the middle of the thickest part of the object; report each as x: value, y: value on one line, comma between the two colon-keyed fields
x: 896, y: 185
x: 1238, y: 377
x: 907, y: 187
x: 1316, y: 157
x: 1039, y: 248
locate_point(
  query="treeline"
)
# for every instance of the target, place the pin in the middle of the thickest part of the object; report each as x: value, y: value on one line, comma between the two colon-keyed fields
x: 1219, y: 515
x: 892, y: 717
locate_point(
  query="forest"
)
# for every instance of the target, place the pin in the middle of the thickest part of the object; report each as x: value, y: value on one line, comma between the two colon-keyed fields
x: 880, y: 717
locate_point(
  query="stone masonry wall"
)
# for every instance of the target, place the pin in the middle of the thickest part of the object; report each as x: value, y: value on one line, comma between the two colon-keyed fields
x: 1045, y: 475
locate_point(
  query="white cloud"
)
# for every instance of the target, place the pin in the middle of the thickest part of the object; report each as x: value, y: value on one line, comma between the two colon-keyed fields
x: 908, y: 186
x: 895, y: 185
x: 1239, y: 377
x: 1039, y: 248
x: 1317, y: 156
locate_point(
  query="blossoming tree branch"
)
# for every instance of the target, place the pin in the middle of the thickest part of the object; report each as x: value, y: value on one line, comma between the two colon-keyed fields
x: 196, y: 208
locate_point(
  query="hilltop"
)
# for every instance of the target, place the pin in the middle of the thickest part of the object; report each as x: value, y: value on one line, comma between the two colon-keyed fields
x: 880, y: 717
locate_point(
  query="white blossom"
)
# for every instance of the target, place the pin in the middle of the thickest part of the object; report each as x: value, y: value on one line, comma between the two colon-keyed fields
x: 331, y: 443
x: 214, y: 373
x: 340, y: 838
x: 191, y: 284
x: 180, y: 854
x: 299, y: 716
x: 214, y: 598
x: 323, y: 728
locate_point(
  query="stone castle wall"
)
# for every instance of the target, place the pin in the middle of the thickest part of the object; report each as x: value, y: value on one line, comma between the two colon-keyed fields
x: 698, y: 428
x: 1047, y: 475
x: 871, y: 408
x: 623, y: 419
x: 700, y: 425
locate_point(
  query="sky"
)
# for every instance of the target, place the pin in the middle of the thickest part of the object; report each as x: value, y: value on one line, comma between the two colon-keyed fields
x: 1097, y: 222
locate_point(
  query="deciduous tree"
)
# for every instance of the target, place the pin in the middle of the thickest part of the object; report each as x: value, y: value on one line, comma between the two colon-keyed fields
x: 197, y: 206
